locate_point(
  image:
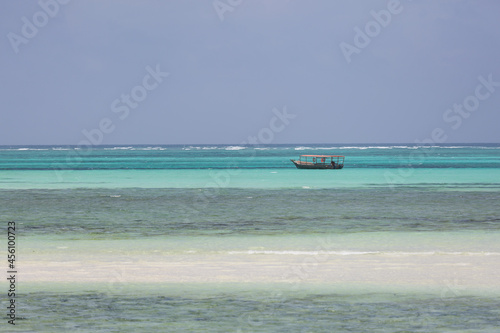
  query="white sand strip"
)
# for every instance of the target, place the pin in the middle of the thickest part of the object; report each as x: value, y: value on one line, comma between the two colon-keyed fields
x: 457, y: 271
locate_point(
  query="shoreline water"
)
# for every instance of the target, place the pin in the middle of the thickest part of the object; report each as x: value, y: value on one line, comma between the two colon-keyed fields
x: 258, y: 307
x: 135, y: 240
x: 474, y: 178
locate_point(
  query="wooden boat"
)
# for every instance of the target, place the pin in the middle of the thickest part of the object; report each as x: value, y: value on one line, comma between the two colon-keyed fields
x: 319, y: 162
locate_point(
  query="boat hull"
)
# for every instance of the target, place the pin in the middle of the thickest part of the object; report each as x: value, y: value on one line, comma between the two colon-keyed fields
x: 310, y: 165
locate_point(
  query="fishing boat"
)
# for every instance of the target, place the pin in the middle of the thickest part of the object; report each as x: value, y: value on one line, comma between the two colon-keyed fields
x: 319, y: 162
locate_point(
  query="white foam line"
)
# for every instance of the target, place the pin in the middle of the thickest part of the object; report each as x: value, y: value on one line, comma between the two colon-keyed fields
x: 235, y: 148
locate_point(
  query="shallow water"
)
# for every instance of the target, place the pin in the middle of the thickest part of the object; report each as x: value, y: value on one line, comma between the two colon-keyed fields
x: 431, y: 207
x: 260, y: 310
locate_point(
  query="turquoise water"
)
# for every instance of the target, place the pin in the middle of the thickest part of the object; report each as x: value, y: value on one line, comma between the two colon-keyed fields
x: 205, y: 200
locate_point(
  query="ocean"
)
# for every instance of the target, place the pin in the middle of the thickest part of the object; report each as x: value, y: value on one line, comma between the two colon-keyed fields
x: 234, y: 238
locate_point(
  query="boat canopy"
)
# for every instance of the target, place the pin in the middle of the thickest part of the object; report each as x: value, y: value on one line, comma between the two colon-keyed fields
x: 322, y: 155
x: 320, y: 162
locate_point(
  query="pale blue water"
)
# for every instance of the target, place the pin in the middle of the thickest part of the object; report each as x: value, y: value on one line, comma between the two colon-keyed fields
x: 234, y: 199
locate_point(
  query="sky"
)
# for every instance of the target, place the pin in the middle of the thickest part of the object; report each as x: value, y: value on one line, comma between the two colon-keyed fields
x: 254, y: 71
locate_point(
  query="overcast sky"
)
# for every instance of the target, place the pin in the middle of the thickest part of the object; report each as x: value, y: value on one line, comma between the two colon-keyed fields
x: 205, y: 71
